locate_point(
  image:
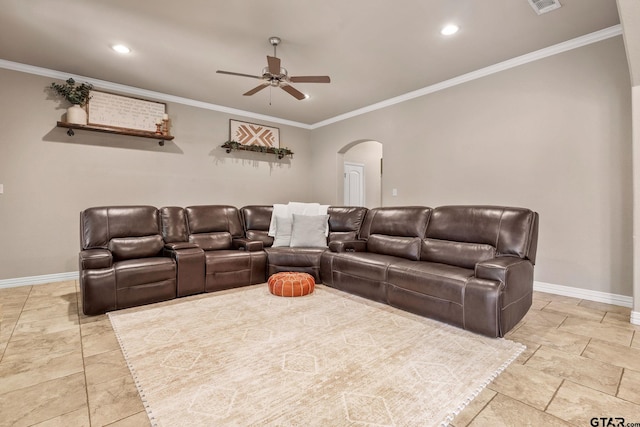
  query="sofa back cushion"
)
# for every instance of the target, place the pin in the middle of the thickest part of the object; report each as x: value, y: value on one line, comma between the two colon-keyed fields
x: 135, y: 247
x: 405, y: 221
x: 215, y: 241
x: 214, y: 218
x: 99, y: 225
x: 345, y: 222
x: 173, y: 222
x: 465, y: 235
x: 400, y: 246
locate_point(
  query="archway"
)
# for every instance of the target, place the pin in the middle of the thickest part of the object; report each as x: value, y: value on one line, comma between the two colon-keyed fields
x: 368, y: 154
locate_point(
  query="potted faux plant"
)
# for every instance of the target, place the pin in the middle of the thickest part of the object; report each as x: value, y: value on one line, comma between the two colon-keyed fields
x: 78, y: 95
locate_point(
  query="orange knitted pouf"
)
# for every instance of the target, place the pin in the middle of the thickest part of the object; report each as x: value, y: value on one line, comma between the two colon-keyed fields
x: 291, y: 284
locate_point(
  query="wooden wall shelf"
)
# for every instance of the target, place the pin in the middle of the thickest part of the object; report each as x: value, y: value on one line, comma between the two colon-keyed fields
x: 129, y: 132
x: 280, y: 153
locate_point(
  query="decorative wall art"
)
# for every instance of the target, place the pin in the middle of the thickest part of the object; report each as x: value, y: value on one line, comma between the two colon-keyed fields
x: 123, y: 112
x: 251, y: 134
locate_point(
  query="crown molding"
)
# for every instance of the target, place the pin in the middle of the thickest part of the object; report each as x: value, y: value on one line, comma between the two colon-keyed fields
x: 587, y: 39
x: 144, y: 93
x: 595, y: 37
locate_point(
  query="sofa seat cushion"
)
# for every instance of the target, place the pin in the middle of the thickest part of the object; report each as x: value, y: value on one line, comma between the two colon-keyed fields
x: 143, y: 271
x: 294, y: 257
x: 437, y: 280
x: 366, y: 265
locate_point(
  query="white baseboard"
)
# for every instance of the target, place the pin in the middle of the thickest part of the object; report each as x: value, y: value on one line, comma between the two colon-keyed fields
x: 38, y: 280
x: 635, y: 317
x: 568, y: 291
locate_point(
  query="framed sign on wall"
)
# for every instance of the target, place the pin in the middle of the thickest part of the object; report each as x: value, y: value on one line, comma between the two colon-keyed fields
x: 123, y: 112
x: 251, y: 134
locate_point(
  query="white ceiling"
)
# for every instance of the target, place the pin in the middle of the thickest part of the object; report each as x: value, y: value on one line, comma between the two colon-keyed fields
x: 372, y: 49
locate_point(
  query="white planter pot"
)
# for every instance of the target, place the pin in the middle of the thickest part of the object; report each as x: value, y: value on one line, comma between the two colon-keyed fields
x: 76, y: 115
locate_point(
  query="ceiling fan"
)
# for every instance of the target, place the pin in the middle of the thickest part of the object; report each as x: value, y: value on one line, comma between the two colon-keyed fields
x: 274, y: 75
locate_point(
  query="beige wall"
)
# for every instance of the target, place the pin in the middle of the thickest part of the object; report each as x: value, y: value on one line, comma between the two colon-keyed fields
x: 50, y: 177
x: 553, y: 135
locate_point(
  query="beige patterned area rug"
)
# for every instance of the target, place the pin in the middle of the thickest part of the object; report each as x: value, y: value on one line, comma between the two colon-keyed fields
x: 247, y: 358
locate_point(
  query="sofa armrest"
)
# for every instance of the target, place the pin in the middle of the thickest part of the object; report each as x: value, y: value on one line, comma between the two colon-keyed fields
x: 175, y: 246
x: 247, y: 244
x: 91, y: 259
x: 190, y: 265
x: 348, y: 246
x: 499, y: 268
x: 505, y: 281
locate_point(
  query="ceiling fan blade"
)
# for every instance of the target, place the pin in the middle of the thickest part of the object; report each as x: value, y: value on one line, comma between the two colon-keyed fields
x: 293, y: 92
x: 274, y: 65
x: 256, y: 89
x: 238, y: 74
x: 310, y: 79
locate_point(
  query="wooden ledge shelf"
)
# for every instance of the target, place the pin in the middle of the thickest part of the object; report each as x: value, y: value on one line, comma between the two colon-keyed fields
x: 129, y: 132
x: 263, y: 150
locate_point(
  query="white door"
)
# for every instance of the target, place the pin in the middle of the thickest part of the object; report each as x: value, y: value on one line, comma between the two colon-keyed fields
x: 353, y: 184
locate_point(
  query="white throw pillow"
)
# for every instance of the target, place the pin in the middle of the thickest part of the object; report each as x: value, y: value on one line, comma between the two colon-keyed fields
x: 309, y: 230
x: 278, y: 210
x: 283, y: 231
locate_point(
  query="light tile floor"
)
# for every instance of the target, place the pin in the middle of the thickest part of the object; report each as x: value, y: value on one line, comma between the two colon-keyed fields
x: 59, y: 367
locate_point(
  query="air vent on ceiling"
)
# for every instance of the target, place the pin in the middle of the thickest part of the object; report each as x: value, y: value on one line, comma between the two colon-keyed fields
x: 544, y: 6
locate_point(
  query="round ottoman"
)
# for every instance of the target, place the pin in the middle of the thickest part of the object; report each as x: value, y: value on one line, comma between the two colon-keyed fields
x: 291, y: 284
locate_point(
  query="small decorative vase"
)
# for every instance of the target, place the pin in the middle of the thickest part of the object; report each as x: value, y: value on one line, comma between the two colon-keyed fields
x: 76, y: 115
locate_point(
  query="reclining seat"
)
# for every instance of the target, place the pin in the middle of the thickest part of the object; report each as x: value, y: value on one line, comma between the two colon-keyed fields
x: 389, y: 235
x: 475, y: 269
x: 231, y: 260
x: 344, y: 224
x: 121, y: 261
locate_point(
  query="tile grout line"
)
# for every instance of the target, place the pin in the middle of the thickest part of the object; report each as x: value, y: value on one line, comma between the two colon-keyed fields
x: 482, y: 409
x: 620, y: 383
x: 555, y: 393
x: 84, y: 366
x: 16, y: 324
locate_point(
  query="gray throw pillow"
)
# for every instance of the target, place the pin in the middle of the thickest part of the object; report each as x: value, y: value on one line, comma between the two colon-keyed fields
x: 283, y: 231
x: 309, y: 231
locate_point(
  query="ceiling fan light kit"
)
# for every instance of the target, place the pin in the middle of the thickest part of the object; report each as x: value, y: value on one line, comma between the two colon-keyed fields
x: 274, y: 75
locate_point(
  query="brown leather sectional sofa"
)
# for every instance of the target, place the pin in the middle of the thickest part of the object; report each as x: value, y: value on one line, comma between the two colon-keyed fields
x: 470, y: 266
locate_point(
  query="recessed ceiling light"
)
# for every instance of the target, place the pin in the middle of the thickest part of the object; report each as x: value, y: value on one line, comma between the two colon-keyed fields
x: 120, y: 48
x: 449, y: 29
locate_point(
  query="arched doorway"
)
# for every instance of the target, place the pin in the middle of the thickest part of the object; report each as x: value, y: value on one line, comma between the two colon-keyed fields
x: 359, y: 165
